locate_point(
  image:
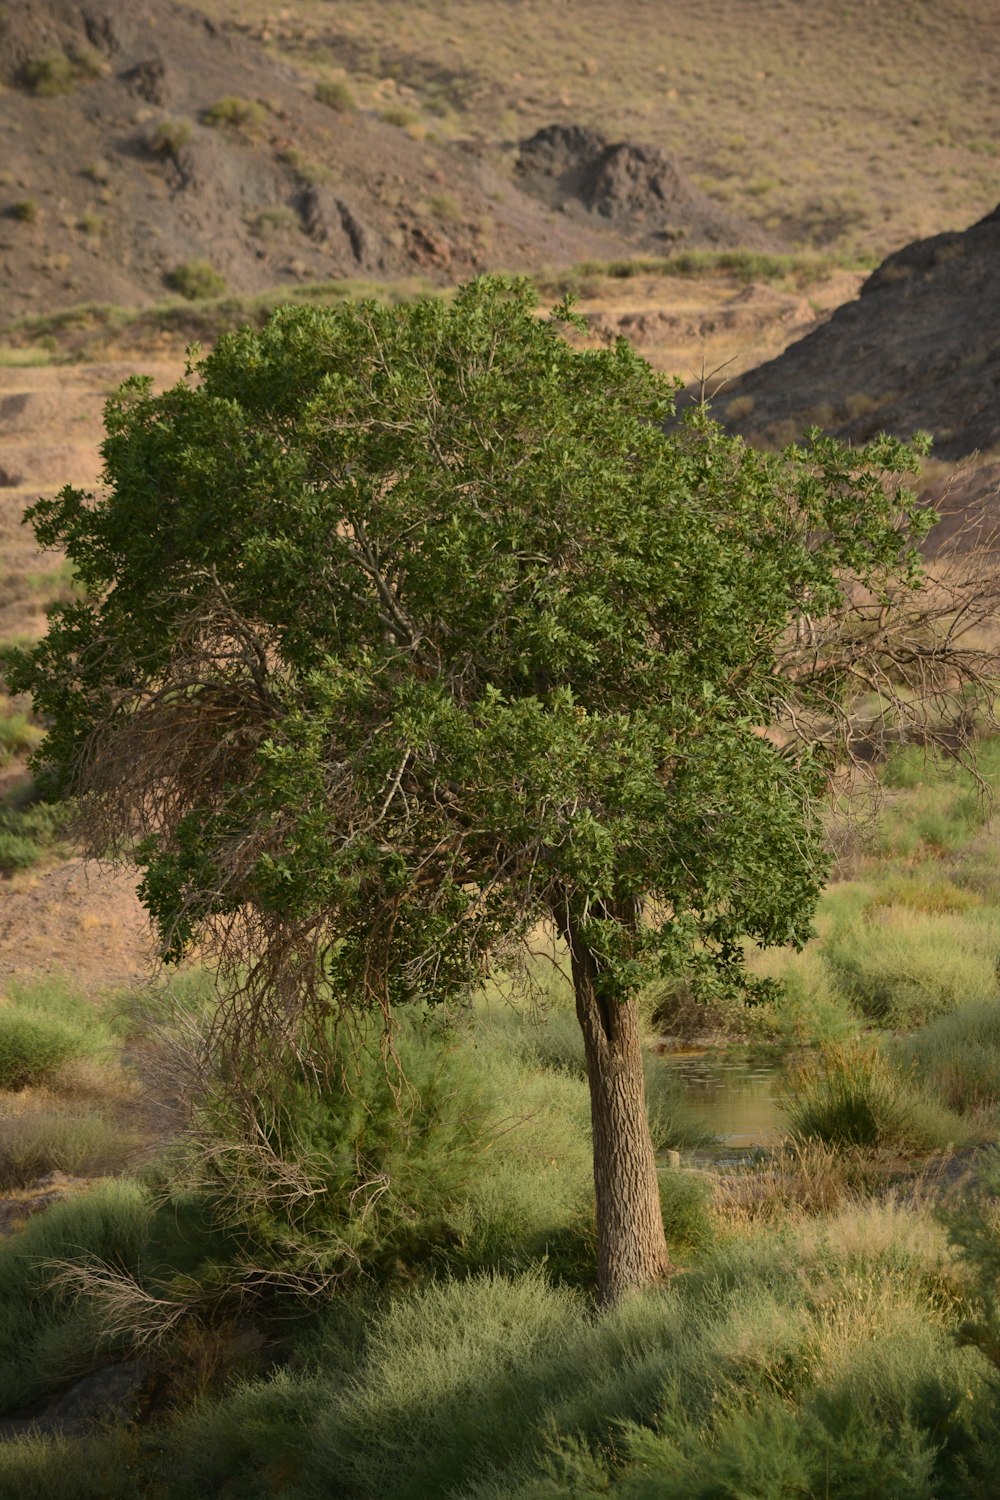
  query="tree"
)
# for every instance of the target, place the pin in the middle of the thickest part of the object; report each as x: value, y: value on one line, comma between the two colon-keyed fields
x: 404, y: 630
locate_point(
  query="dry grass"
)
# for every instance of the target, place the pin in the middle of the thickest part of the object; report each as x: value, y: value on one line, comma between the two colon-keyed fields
x: 769, y: 107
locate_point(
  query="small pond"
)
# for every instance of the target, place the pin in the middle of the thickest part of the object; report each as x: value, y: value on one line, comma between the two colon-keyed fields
x: 735, y: 1095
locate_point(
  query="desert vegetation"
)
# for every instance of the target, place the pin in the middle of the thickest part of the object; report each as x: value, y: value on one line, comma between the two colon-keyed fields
x: 557, y: 1052
x: 346, y: 1260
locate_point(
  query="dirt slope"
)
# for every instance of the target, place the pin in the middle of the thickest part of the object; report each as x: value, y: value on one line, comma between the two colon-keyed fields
x: 919, y: 348
x: 136, y: 139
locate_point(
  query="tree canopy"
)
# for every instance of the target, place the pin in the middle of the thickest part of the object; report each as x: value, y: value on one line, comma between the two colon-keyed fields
x: 405, y: 629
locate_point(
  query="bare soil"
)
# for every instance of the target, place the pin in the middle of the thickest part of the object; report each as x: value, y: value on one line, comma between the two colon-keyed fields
x: 80, y: 922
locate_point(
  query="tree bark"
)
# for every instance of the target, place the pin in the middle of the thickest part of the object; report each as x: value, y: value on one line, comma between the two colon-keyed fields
x: 631, y: 1245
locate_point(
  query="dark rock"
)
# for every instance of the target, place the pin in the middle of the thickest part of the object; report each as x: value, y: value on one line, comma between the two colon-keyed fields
x: 632, y: 185
x: 148, y: 80
x: 919, y: 349
x: 329, y: 220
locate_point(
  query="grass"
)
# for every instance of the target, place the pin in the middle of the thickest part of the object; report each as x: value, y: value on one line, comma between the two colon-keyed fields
x: 196, y: 280
x: 775, y: 114
x: 851, y: 1096
x: 169, y: 138
x: 336, y: 95
x: 81, y: 1144
x: 235, y: 113
x: 43, y: 1026
x: 957, y: 1059
x: 25, y: 211
x: 510, y: 1387
x: 49, y: 75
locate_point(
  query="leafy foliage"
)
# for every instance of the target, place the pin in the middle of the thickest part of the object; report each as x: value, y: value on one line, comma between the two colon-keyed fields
x: 414, y: 626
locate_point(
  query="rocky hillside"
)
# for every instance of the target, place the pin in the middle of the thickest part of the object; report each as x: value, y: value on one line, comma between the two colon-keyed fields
x: 919, y: 348
x: 147, y: 149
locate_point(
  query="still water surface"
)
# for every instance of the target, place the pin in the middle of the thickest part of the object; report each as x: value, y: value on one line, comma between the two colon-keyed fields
x: 735, y: 1096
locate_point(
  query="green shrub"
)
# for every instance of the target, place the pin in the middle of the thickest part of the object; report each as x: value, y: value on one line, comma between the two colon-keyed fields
x: 196, y: 280
x: 851, y: 1096
x: 382, y: 1159
x: 32, y: 1145
x: 236, y: 113
x: 169, y: 138
x: 335, y: 94
x: 25, y: 210
x: 958, y: 1057
x: 49, y: 74
x: 33, y: 1048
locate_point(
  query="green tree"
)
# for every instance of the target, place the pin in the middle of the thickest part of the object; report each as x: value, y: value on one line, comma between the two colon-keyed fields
x: 404, y: 630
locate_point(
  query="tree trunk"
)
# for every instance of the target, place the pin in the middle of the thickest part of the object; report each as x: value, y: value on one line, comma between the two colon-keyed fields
x: 631, y: 1245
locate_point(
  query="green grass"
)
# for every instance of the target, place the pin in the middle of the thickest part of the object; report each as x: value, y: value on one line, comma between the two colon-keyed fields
x: 30, y: 832
x: 19, y: 733
x: 235, y: 113
x: 336, y: 95
x: 43, y: 1025
x: 904, y: 968
x: 45, y: 1337
x: 49, y: 74
x: 852, y: 1096
x: 196, y: 280
x: 957, y: 1058
x: 169, y: 138
x: 79, y: 1143
x: 772, y: 1353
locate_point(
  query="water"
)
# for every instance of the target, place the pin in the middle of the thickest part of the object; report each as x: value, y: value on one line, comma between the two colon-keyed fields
x: 735, y: 1096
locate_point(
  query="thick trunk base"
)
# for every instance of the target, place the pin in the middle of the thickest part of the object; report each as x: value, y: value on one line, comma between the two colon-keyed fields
x: 631, y: 1245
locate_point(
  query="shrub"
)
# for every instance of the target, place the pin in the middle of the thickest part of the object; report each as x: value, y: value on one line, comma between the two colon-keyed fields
x: 335, y: 94
x: 361, y: 1175
x: 33, y: 1048
x: 236, y: 113
x: 851, y: 1096
x: 196, y: 280
x: 958, y: 1056
x: 48, y: 75
x: 25, y: 210
x: 32, y: 1145
x: 169, y: 138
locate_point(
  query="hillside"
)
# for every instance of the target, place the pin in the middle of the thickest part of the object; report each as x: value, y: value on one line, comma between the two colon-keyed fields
x: 149, y: 149
x: 917, y: 350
